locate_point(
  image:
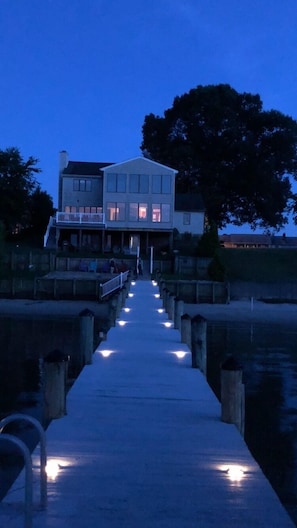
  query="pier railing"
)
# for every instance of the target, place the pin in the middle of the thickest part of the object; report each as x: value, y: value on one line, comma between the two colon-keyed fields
x: 113, y: 284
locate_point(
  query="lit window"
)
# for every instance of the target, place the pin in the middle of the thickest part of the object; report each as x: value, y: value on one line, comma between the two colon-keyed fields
x: 115, y: 211
x: 138, y: 212
x: 142, y: 214
x: 156, y: 213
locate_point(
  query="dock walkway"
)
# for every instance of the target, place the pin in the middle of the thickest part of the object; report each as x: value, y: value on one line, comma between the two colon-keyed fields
x: 143, y: 445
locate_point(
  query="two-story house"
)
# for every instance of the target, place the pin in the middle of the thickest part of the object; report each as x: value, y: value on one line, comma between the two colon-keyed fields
x: 119, y: 206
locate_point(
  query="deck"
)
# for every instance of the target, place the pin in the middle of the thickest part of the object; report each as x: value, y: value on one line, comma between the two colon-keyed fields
x: 143, y: 445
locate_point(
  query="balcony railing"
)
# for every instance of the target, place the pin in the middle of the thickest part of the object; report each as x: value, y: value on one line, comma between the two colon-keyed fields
x: 80, y: 218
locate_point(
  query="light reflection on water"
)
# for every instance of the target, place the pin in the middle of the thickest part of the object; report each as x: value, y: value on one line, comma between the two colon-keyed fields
x: 268, y: 354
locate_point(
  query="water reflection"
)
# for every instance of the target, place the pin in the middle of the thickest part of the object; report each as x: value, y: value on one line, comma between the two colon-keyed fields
x: 268, y: 354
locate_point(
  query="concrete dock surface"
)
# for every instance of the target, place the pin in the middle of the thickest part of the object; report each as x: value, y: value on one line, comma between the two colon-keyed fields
x: 143, y: 445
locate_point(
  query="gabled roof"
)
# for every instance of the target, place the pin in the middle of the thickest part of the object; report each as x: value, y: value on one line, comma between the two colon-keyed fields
x: 84, y: 168
x: 146, y: 160
x: 189, y: 202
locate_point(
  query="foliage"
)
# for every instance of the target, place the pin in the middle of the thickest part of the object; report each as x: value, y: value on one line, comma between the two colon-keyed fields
x: 216, y: 270
x: 22, y: 203
x: 260, y: 265
x: 226, y: 146
x: 209, y: 242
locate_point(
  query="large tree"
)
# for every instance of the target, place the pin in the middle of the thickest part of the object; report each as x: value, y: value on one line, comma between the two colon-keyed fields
x: 224, y: 145
x: 22, y: 202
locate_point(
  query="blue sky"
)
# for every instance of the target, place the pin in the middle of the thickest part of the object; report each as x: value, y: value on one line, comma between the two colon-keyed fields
x: 81, y: 75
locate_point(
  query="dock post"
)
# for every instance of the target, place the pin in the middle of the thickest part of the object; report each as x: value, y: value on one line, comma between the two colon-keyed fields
x: 185, y: 322
x: 170, y: 306
x: 178, y: 312
x: 55, y: 371
x: 113, y: 310
x: 165, y: 299
x: 198, y: 343
x: 86, y: 319
x: 232, y: 394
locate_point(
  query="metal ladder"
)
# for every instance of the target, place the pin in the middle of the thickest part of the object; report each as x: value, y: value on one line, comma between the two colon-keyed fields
x: 28, y: 510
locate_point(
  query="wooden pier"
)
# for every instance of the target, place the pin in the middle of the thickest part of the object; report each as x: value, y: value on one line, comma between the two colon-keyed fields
x: 143, y: 444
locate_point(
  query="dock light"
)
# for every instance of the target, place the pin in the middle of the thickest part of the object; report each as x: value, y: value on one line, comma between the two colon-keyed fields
x: 154, y: 283
x: 127, y: 310
x: 168, y: 324
x: 52, y: 469
x: 180, y: 354
x: 133, y: 283
x: 130, y: 294
x: 106, y: 353
x: 122, y: 323
x: 234, y: 472
x: 160, y: 310
x: 157, y: 295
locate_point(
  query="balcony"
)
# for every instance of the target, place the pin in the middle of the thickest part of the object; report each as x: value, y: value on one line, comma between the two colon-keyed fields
x: 80, y: 218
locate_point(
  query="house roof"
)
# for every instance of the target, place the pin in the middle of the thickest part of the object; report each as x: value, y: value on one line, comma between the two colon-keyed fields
x: 85, y: 168
x: 189, y: 202
x: 147, y: 160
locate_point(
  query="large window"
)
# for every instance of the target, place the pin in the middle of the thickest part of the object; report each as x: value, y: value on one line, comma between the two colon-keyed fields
x: 116, y: 211
x: 116, y: 183
x: 161, y: 184
x: 82, y: 185
x: 138, y: 212
x: 161, y: 212
x: 139, y: 183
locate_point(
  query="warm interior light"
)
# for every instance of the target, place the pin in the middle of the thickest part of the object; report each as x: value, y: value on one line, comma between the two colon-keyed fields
x: 127, y: 310
x: 122, y: 323
x: 167, y: 324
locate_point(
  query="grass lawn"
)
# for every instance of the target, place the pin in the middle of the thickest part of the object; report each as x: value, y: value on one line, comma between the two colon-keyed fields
x: 263, y: 265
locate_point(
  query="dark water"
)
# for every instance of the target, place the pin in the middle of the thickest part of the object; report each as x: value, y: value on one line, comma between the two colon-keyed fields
x: 24, y: 343
x: 268, y: 354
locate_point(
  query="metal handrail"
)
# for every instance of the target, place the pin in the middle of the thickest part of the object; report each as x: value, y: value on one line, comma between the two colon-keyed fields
x: 28, y: 478
x: 113, y: 284
x: 45, y: 238
x: 80, y: 218
x: 43, y: 476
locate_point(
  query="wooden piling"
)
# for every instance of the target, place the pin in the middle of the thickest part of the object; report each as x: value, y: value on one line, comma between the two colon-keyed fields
x: 198, y: 343
x: 186, y: 330
x: 86, y: 318
x: 232, y: 394
x: 178, y: 312
x: 55, y: 372
x: 170, y: 306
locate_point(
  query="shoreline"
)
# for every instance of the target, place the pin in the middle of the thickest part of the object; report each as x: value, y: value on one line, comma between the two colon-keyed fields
x: 240, y: 311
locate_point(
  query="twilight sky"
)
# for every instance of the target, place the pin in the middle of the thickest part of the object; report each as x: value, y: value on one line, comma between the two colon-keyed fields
x: 81, y: 75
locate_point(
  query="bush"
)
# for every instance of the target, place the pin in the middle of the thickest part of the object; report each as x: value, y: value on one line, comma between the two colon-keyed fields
x: 216, y: 270
x: 209, y: 243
